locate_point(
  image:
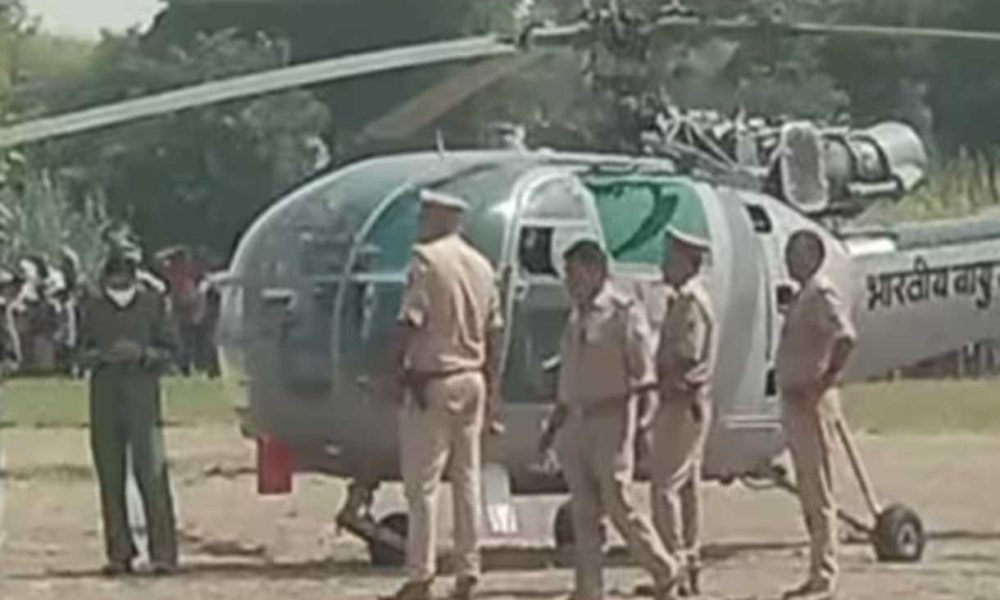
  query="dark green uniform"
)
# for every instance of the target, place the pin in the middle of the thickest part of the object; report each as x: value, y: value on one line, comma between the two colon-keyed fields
x: 10, y: 343
x: 125, y: 415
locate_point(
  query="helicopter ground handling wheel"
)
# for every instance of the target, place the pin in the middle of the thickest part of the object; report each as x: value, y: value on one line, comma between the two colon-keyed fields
x: 897, y: 533
x: 386, y: 538
x: 384, y: 554
x: 564, y: 536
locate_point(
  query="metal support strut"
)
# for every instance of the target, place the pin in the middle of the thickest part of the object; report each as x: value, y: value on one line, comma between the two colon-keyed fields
x: 896, y: 532
x: 780, y: 478
x: 854, y: 457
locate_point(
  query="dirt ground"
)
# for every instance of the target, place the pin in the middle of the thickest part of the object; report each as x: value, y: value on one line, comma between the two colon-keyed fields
x: 237, y: 545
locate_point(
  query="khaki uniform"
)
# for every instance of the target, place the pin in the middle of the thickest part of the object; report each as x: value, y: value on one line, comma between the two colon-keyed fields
x: 818, y: 318
x: 451, y: 300
x: 685, y: 361
x: 606, y: 354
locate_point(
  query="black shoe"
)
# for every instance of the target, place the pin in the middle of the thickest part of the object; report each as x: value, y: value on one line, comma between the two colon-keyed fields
x: 163, y: 569
x: 811, y: 589
x: 693, y: 586
x: 465, y: 588
x: 648, y: 590
x: 412, y: 591
x: 674, y: 589
x: 117, y: 568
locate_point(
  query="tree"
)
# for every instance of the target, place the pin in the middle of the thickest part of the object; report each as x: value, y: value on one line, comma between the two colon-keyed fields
x: 37, y: 218
x: 197, y: 177
x: 948, y: 91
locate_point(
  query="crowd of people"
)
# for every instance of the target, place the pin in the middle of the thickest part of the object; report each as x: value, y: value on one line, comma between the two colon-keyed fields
x: 41, y: 297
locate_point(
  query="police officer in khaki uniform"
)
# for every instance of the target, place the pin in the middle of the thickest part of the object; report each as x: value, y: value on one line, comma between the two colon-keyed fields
x: 446, y: 358
x: 816, y: 340
x: 607, y: 363
x: 685, y: 360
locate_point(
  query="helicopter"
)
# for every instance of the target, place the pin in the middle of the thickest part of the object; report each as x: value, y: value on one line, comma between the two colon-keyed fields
x: 310, y: 296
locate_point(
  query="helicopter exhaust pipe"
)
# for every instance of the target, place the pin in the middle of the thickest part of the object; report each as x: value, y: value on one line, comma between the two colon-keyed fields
x: 840, y: 171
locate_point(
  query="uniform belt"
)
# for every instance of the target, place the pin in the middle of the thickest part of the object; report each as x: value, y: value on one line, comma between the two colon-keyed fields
x: 433, y: 375
x: 416, y: 381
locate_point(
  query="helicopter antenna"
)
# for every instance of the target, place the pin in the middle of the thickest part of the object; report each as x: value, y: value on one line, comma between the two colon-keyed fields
x: 439, y: 143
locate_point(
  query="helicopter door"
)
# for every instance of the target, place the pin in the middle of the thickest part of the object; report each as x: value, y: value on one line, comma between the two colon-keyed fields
x: 555, y: 208
x: 776, y: 289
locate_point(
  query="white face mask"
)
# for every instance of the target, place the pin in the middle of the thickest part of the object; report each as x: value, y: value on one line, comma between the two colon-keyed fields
x: 121, y: 298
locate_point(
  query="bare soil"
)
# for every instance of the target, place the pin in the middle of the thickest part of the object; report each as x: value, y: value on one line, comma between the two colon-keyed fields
x: 237, y: 545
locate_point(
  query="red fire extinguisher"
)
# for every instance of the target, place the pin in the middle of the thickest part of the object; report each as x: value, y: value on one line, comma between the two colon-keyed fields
x: 275, y: 465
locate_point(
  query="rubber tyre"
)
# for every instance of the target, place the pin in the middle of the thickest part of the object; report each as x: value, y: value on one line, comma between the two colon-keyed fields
x: 562, y: 527
x: 899, y: 535
x: 382, y: 555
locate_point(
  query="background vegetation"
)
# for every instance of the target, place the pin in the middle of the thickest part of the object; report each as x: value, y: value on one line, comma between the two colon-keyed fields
x: 201, y: 176
x: 900, y: 408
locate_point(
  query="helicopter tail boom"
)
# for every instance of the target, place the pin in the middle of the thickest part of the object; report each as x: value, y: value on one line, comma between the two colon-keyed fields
x: 923, y: 290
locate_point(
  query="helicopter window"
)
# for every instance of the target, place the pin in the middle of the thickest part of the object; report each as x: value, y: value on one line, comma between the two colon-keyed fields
x: 388, y: 245
x: 760, y: 219
x: 321, y: 254
x: 634, y: 215
x: 535, y: 250
x: 784, y: 295
x: 771, y: 384
x: 556, y: 199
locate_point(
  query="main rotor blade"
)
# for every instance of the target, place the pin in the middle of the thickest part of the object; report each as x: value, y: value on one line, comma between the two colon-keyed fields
x: 567, y: 34
x: 441, y: 98
x: 847, y: 30
x: 427, y: 54
x: 254, y: 85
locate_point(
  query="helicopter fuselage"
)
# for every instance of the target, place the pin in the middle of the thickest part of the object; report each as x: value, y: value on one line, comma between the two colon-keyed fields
x: 315, y: 285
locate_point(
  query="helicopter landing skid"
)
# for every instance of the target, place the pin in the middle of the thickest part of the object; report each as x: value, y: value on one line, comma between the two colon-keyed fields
x: 896, y: 533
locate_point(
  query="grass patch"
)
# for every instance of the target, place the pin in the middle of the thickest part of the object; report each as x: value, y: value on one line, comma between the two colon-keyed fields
x: 61, y: 403
x: 925, y: 407
x: 906, y: 407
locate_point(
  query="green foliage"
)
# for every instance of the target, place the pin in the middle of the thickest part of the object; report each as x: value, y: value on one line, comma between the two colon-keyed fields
x: 47, y: 58
x: 956, y: 86
x: 961, y: 188
x: 38, y: 218
x: 57, y: 403
x: 493, y: 16
x: 15, y: 25
x: 197, y: 177
x: 200, y: 176
x: 924, y: 407
x: 899, y: 408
